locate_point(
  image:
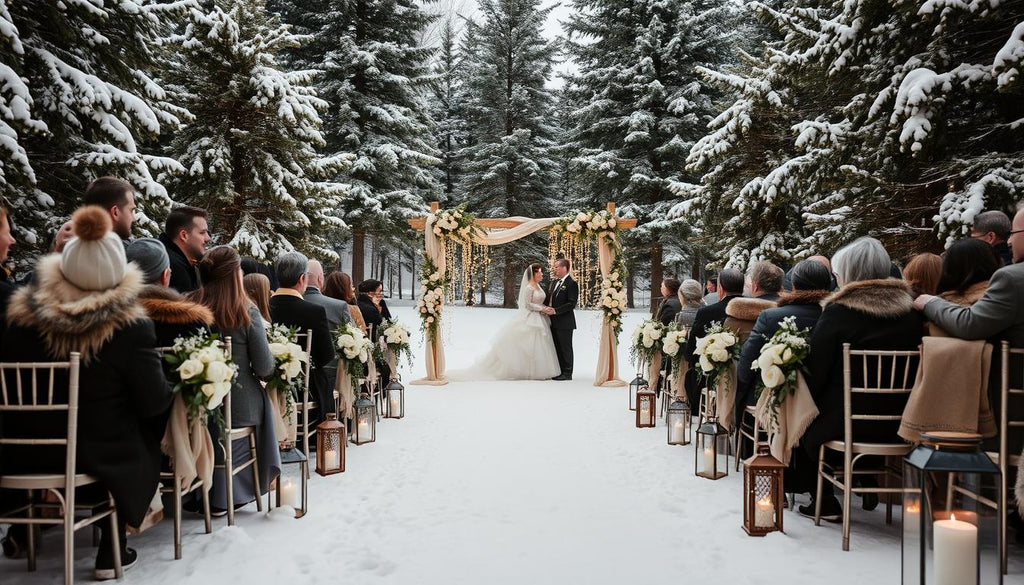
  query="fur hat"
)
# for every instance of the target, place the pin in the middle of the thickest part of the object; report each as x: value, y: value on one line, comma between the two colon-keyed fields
x: 94, y: 259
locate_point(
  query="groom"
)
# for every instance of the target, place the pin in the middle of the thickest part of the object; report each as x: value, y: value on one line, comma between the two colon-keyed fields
x: 561, y: 300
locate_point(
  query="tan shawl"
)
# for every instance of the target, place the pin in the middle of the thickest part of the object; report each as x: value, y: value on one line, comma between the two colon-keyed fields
x: 189, y: 446
x: 795, y: 414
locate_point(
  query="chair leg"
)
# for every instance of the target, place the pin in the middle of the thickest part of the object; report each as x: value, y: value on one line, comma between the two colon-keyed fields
x: 229, y: 476
x: 817, y: 494
x: 31, y: 531
x: 736, y: 445
x: 847, y: 497
x: 116, y: 537
x: 69, y: 539
x: 304, y: 470
x: 207, y: 520
x: 1002, y: 524
x: 255, y: 472
x: 177, y: 518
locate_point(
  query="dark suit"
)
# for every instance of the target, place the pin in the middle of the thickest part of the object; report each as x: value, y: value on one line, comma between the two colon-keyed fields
x: 293, y: 311
x: 563, y: 299
x: 705, y: 317
x: 184, y: 276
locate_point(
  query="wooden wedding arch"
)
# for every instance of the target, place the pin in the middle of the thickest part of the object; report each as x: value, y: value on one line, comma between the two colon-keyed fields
x: 488, y: 232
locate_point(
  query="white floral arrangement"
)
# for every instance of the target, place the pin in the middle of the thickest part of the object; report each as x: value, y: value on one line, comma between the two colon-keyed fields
x: 674, y: 341
x: 647, y: 340
x: 716, y: 352
x: 612, y: 300
x: 586, y: 223
x: 431, y: 299
x: 205, y: 372
x: 396, y: 337
x: 288, y: 360
x: 353, y: 350
x: 455, y: 224
x: 780, y: 361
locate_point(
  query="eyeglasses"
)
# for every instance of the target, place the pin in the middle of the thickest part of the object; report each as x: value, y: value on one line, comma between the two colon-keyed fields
x: 1015, y: 232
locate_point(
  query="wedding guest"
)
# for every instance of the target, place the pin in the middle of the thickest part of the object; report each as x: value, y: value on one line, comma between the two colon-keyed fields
x: 86, y: 299
x: 371, y: 304
x: 730, y: 286
x: 870, y: 311
x: 257, y: 287
x: 765, y: 286
x: 690, y: 300
x: 173, y: 315
x: 6, y: 241
x: 670, y: 305
x: 337, y: 310
x: 812, y: 283
x: 711, y: 286
x: 787, y: 281
x: 185, y: 236
x: 967, y: 266
x: 117, y: 198
x: 923, y: 273
x: 252, y: 266
x: 338, y: 285
x: 235, y: 316
x: 993, y: 228
x: 288, y: 308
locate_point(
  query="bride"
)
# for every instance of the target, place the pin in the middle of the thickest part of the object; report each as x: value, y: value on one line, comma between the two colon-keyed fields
x: 523, y: 349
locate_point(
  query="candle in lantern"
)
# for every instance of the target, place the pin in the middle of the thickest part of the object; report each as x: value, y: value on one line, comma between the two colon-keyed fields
x: 287, y: 492
x: 330, y: 459
x: 956, y: 552
x: 677, y: 432
x: 764, y: 513
x: 395, y: 404
x: 709, y: 460
x: 363, y: 428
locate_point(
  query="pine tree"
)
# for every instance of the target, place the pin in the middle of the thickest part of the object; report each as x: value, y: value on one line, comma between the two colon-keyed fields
x: 250, y: 152
x: 448, y: 95
x: 78, y: 100
x: 642, y: 107
x: 864, y: 119
x: 509, y: 166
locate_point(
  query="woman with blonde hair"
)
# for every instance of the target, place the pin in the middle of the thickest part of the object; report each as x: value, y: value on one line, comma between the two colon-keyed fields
x: 257, y: 288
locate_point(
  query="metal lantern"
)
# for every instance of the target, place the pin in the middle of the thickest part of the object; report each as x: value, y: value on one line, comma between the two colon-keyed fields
x: 711, y: 456
x: 330, y: 446
x: 635, y: 386
x: 394, y: 398
x: 950, y: 522
x: 763, y: 493
x: 678, y: 422
x: 646, y: 408
x: 291, y: 487
x: 365, y: 421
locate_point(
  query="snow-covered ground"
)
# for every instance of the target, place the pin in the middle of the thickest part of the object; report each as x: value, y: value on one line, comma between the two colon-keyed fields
x: 508, y: 483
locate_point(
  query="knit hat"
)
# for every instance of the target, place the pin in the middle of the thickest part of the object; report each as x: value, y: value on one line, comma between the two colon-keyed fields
x: 94, y: 259
x: 150, y: 256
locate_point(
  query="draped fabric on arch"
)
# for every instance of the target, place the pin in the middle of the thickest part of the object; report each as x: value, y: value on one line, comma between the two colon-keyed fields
x: 607, y: 368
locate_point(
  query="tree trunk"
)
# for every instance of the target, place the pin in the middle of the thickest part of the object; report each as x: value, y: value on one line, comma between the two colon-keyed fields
x: 483, y: 295
x: 695, y: 271
x: 629, y: 289
x: 412, y: 275
x: 358, y: 255
x: 509, y: 281
x: 656, y: 277
x: 401, y: 293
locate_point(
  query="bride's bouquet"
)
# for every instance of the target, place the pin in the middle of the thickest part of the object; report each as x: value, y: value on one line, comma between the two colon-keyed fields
x: 780, y: 361
x: 716, y: 352
x: 647, y: 341
x: 288, y: 360
x: 205, y: 373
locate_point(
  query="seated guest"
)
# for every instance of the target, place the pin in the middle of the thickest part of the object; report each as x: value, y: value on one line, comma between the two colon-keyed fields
x: 923, y: 273
x: 670, y: 305
x: 870, y: 311
x: 117, y: 198
x: 338, y: 285
x: 730, y: 286
x: 967, y: 267
x: 765, y: 285
x: 287, y: 307
x: 690, y: 300
x: 6, y: 241
x: 371, y: 304
x: 337, y: 310
x: 811, y: 282
x: 711, y: 291
x: 993, y: 228
x: 234, y: 316
x: 787, y: 280
x: 257, y: 288
x: 185, y: 236
x: 173, y: 315
x: 86, y: 299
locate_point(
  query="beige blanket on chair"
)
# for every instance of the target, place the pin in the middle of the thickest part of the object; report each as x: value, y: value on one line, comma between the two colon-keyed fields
x: 189, y: 446
x: 725, y: 396
x: 795, y: 414
x: 951, y: 389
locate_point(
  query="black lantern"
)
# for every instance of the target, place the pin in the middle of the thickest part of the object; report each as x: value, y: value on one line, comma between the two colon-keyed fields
x: 711, y: 456
x: 950, y: 526
x: 638, y: 383
x: 646, y: 407
x: 678, y: 421
x: 394, y: 399
x: 365, y: 420
x: 763, y: 493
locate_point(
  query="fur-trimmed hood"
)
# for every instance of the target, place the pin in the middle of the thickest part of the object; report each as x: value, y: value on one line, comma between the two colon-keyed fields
x: 747, y: 308
x: 885, y: 299
x: 803, y: 297
x: 71, y: 319
x: 967, y: 298
x: 165, y: 305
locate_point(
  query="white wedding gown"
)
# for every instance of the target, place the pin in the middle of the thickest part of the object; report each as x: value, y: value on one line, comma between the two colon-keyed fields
x: 523, y: 349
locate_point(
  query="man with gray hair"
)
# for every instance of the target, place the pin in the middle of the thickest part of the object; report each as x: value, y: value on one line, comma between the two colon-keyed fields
x: 337, y: 310
x: 993, y: 228
x: 730, y: 286
x: 289, y: 308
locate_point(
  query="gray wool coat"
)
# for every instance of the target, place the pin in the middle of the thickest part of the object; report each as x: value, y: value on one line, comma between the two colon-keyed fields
x: 251, y: 353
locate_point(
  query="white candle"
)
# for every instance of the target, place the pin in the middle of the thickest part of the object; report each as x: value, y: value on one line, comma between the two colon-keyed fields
x: 709, y: 460
x: 330, y: 459
x: 677, y: 432
x: 764, y: 513
x: 363, y: 429
x: 395, y: 405
x: 956, y: 552
x: 287, y: 491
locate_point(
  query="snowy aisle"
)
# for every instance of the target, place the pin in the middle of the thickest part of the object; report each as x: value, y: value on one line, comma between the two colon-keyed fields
x: 508, y: 483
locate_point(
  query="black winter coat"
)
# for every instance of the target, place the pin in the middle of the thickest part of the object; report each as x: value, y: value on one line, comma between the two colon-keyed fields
x: 294, y: 311
x: 184, y: 276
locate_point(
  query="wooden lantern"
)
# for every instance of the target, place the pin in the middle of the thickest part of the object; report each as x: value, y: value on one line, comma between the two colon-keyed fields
x: 763, y: 493
x: 678, y: 421
x: 638, y: 383
x: 365, y: 421
x: 330, y: 446
x: 711, y: 456
x: 646, y: 408
x: 394, y: 398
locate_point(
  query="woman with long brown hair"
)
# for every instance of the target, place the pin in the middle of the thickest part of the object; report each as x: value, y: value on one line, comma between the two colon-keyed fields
x: 339, y: 286
x: 222, y: 290
x: 257, y: 287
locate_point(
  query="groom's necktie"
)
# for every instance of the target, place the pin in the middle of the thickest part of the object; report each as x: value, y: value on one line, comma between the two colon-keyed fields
x: 554, y: 291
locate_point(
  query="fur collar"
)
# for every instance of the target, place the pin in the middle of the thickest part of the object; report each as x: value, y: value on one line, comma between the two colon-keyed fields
x: 884, y: 299
x: 968, y: 297
x: 803, y: 297
x: 747, y: 308
x: 71, y: 319
x: 164, y: 305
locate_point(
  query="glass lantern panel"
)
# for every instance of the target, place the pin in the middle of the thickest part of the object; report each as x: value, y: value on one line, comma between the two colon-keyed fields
x: 912, y: 526
x: 646, y: 409
x: 676, y: 423
x: 764, y: 504
x: 396, y: 406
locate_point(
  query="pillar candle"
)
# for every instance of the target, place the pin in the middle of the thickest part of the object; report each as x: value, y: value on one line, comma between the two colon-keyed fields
x: 677, y: 432
x: 330, y: 459
x: 764, y: 513
x: 709, y: 460
x: 287, y: 490
x: 956, y: 552
x: 363, y: 430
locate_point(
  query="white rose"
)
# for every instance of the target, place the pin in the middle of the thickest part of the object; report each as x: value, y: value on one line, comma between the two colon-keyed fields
x: 616, y: 311
x: 278, y: 349
x: 430, y: 319
x: 190, y: 369
x: 345, y: 340
x: 702, y: 345
x: 606, y: 283
x: 292, y: 369
x: 648, y: 342
x: 437, y: 231
x: 727, y: 338
x: 719, y: 355
x: 705, y: 364
x: 772, y: 376
x: 764, y: 361
x: 208, y: 354
x: 611, y: 223
x: 219, y: 372
x: 671, y: 347
x: 787, y: 354
x: 656, y: 333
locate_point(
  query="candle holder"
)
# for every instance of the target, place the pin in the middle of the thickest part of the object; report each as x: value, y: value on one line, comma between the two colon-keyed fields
x: 763, y: 493
x: 291, y: 487
x: 638, y: 383
x: 678, y: 421
x: 646, y: 405
x: 394, y: 398
x: 330, y: 446
x: 365, y: 420
x: 951, y: 530
x: 711, y: 456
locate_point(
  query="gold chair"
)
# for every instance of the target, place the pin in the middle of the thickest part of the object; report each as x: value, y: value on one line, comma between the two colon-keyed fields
x: 892, y: 380
x: 298, y: 456
x: 31, y: 394
x: 748, y: 428
x: 1005, y: 459
x: 304, y: 404
x: 230, y: 435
